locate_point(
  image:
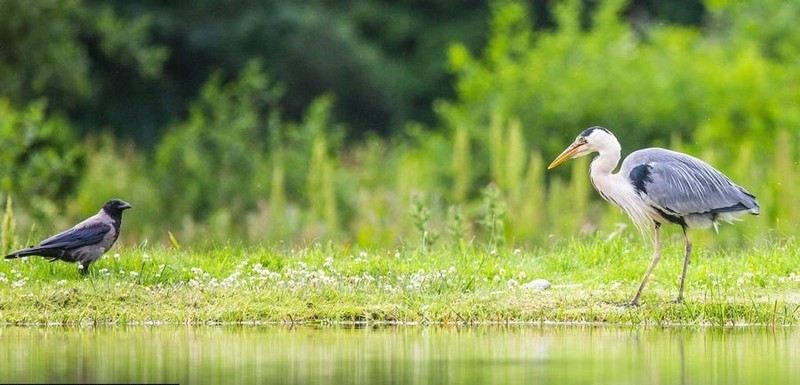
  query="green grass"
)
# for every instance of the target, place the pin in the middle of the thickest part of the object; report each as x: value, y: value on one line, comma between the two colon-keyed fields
x: 591, y: 277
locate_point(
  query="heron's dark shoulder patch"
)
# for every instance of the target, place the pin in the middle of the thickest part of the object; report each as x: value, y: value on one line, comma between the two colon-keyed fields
x: 640, y: 176
x: 589, y: 130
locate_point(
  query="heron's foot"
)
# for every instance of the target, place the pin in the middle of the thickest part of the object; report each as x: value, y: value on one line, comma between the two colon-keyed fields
x: 632, y: 304
x: 678, y: 300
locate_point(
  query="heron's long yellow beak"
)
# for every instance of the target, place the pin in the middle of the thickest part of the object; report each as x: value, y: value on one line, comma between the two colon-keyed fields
x: 565, y: 156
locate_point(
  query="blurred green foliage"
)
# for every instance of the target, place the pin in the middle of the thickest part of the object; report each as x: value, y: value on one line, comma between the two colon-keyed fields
x: 715, y: 88
x: 240, y: 167
x: 214, y: 159
x: 383, y: 59
x: 55, y: 49
x: 40, y: 162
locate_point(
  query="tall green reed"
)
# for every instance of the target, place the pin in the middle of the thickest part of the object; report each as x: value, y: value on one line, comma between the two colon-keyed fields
x: 8, y: 228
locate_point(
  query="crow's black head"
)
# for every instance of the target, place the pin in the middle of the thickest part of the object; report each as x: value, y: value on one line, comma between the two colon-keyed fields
x: 116, y: 206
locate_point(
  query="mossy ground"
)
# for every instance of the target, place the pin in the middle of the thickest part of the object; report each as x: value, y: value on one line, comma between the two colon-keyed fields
x: 591, y: 280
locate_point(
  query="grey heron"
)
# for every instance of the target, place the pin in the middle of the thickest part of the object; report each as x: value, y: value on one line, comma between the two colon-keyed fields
x: 658, y: 186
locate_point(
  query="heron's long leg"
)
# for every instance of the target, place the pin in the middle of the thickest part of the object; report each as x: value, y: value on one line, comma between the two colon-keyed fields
x: 687, y: 251
x: 653, y: 263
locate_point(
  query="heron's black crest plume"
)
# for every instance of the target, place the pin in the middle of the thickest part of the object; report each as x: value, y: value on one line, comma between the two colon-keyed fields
x: 589, y: 130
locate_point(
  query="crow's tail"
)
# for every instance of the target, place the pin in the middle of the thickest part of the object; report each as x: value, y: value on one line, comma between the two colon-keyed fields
x: 36, y: 250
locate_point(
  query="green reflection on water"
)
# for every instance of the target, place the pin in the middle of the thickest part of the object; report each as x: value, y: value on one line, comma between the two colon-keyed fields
x: 402, y: 354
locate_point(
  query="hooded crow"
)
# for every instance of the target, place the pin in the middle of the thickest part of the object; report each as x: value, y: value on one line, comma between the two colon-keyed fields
x: 85, y: 242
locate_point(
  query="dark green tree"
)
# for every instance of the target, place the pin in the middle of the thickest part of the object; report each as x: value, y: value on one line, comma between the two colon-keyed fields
x: 52, y: 49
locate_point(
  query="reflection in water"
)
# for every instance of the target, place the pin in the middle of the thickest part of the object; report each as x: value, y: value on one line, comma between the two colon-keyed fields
x: 401, y: 354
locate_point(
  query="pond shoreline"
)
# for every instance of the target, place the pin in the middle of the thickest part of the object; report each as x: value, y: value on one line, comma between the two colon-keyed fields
x: 385, y: 324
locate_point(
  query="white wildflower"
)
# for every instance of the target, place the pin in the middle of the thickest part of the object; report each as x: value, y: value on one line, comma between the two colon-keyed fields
x: 232, y: 280
x: 416, y: 280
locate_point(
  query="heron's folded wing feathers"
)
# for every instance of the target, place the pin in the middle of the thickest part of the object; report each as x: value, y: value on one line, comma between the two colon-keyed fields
x: 686, y: 185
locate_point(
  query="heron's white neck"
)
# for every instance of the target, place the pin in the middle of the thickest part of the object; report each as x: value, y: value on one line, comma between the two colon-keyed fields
x: 610, y: 186
x: 605, y: 162
x: 615, y: 188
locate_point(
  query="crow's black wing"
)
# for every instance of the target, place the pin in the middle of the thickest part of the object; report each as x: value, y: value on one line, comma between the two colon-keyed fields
x: 77, y: 237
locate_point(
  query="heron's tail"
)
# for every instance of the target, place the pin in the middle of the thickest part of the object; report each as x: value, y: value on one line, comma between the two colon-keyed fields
x: 749, y: 202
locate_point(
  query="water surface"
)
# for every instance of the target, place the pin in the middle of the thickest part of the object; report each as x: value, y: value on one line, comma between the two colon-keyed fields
x: 400, y: 355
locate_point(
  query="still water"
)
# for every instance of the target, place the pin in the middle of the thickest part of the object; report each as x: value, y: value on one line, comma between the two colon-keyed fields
x: 400, y: 355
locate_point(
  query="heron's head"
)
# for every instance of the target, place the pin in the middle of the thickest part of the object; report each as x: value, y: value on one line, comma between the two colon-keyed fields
x: 592, y: 139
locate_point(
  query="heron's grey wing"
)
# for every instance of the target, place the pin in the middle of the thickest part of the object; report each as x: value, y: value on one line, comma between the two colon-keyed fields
x: 78, y: 237
x: 682, y: 184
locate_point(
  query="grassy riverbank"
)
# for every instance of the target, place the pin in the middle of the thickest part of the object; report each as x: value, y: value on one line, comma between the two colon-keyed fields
x: 591, y: 278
